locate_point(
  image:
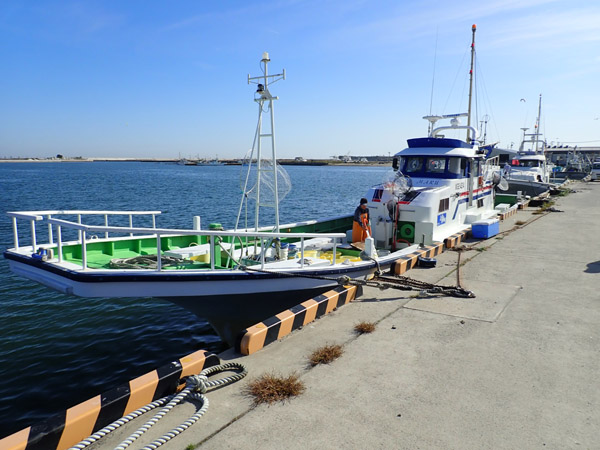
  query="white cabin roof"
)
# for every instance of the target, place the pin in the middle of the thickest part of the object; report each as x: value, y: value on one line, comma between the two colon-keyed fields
x: 532, y: 157
x: 439, y: 151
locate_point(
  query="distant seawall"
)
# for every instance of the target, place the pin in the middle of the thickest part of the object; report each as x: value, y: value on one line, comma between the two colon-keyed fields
x: 283, y: 162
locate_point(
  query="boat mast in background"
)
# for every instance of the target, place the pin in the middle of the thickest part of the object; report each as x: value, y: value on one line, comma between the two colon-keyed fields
x: 533, y: 139
x: 263, y: 96
x: 474, y: 28
x: 537, y: 124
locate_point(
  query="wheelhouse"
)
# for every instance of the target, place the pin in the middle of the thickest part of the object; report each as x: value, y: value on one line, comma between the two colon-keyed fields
x: 443, y: 159
x: 529, y: 161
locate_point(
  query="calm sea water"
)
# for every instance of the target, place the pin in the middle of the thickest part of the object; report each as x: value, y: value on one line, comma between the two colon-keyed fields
x: 55, y: 350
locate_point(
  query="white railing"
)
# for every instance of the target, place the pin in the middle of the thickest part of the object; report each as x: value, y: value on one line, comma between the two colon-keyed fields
x: 86, y: 230
x: 34, y: 216
x: 490, y: 165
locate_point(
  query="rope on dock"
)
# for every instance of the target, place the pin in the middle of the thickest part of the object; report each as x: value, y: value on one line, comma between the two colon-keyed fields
x: 196, y: 387
x: 381, y: 282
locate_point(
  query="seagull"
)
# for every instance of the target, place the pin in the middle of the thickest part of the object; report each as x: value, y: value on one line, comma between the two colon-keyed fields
x: 523, y: 100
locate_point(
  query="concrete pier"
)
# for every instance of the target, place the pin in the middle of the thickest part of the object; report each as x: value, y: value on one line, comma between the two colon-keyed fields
x: 515, y: 367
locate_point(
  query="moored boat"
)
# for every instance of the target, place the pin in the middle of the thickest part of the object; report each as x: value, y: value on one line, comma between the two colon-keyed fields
x: 528, y: 171
x: 237, y: 277
x: 595, y: 173
x: 577, y: 167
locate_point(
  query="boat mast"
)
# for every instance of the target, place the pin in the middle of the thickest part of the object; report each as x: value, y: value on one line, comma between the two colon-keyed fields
x: 474, y: 28
x: 537, y: 124
x: 263, y: 95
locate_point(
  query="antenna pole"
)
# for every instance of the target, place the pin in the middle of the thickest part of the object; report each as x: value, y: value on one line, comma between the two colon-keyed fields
x: 433, y: 79
x: 537, y: 124
x: 474, y: 28
x: 263, y: 95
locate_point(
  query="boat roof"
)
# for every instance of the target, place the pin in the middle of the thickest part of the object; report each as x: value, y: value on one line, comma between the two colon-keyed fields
x: 532, y: 156
x: 438, y: 147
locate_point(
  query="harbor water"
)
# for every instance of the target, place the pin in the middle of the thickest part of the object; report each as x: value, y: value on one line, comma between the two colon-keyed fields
x: 56, y: 350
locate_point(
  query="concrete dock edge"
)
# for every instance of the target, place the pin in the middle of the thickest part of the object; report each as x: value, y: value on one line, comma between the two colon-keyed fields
x: 80, y: 421
x: 274, y: 328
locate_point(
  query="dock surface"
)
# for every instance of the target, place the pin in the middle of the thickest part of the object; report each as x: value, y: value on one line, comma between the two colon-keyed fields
x: 514, y: 368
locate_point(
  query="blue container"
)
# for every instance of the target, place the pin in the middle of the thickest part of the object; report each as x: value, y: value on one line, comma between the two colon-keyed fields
x: 292, y: 251
x: 484, y: 229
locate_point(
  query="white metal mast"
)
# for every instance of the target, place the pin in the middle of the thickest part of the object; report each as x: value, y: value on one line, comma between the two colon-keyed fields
x: 474, y: 29
x: 263, y: 95
x: 537, y: 124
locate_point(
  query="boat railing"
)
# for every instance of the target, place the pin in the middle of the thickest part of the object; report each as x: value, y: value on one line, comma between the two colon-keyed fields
x: 490, y: 165
x: 34, y: 216
x: 85, y: 231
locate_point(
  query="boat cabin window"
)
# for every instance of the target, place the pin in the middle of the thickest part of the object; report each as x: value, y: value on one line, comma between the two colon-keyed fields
x: 479, y: 167
x: 434, y: 166
x: 454, y: 166
x: 525, y: 163
x: 414, y: 164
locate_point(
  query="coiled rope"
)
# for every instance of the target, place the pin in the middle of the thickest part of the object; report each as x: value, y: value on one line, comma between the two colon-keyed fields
x: 146, y: 262
x: 195, y: 388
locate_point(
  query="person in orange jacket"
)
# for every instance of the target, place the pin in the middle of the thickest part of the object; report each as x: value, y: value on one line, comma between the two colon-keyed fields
x: 360, y: 225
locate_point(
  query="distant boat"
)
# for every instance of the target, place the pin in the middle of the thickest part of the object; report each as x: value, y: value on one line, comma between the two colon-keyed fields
x: 527, y: 170
x: 185, y: 162
x: 595, y: 175
x: 577, y: 167
x: 210, y: 162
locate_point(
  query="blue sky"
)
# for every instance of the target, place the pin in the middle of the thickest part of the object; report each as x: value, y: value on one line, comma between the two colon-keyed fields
x: 158, y: 79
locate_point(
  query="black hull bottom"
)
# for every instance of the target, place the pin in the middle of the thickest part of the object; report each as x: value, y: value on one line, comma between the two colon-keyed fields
x: 531, y: 189
x: 231, y: 315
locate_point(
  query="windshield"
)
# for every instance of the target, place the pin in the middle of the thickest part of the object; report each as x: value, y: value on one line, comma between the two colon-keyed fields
x: 433, y: 166
x: 525, y: 163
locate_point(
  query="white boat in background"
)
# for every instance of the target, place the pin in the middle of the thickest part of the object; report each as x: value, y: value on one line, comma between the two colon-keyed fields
x: 577, y: 167
x: 595, y: 174
x: 210, y: 162
x: 185, y: 161
x: 528, y: 171
x: 234, y: 278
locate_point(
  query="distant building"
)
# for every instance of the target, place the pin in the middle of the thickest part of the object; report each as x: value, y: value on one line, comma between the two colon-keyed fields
x: 558, y: 153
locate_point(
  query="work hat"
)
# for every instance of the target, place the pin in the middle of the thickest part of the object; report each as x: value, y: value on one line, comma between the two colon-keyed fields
x: 364, y: 201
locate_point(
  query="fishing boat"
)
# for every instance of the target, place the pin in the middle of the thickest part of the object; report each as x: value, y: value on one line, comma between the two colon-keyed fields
x: 528, y: 171
x: 185, y: 162
x: 595, y: 173
x: 577, y: 166
x: 234, y: 278
x: 210, y: 162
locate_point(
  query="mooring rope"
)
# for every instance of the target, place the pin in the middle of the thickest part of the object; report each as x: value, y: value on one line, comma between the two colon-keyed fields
x: 379, y: 282
x: 196, y: 387
x: 146, y: 262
